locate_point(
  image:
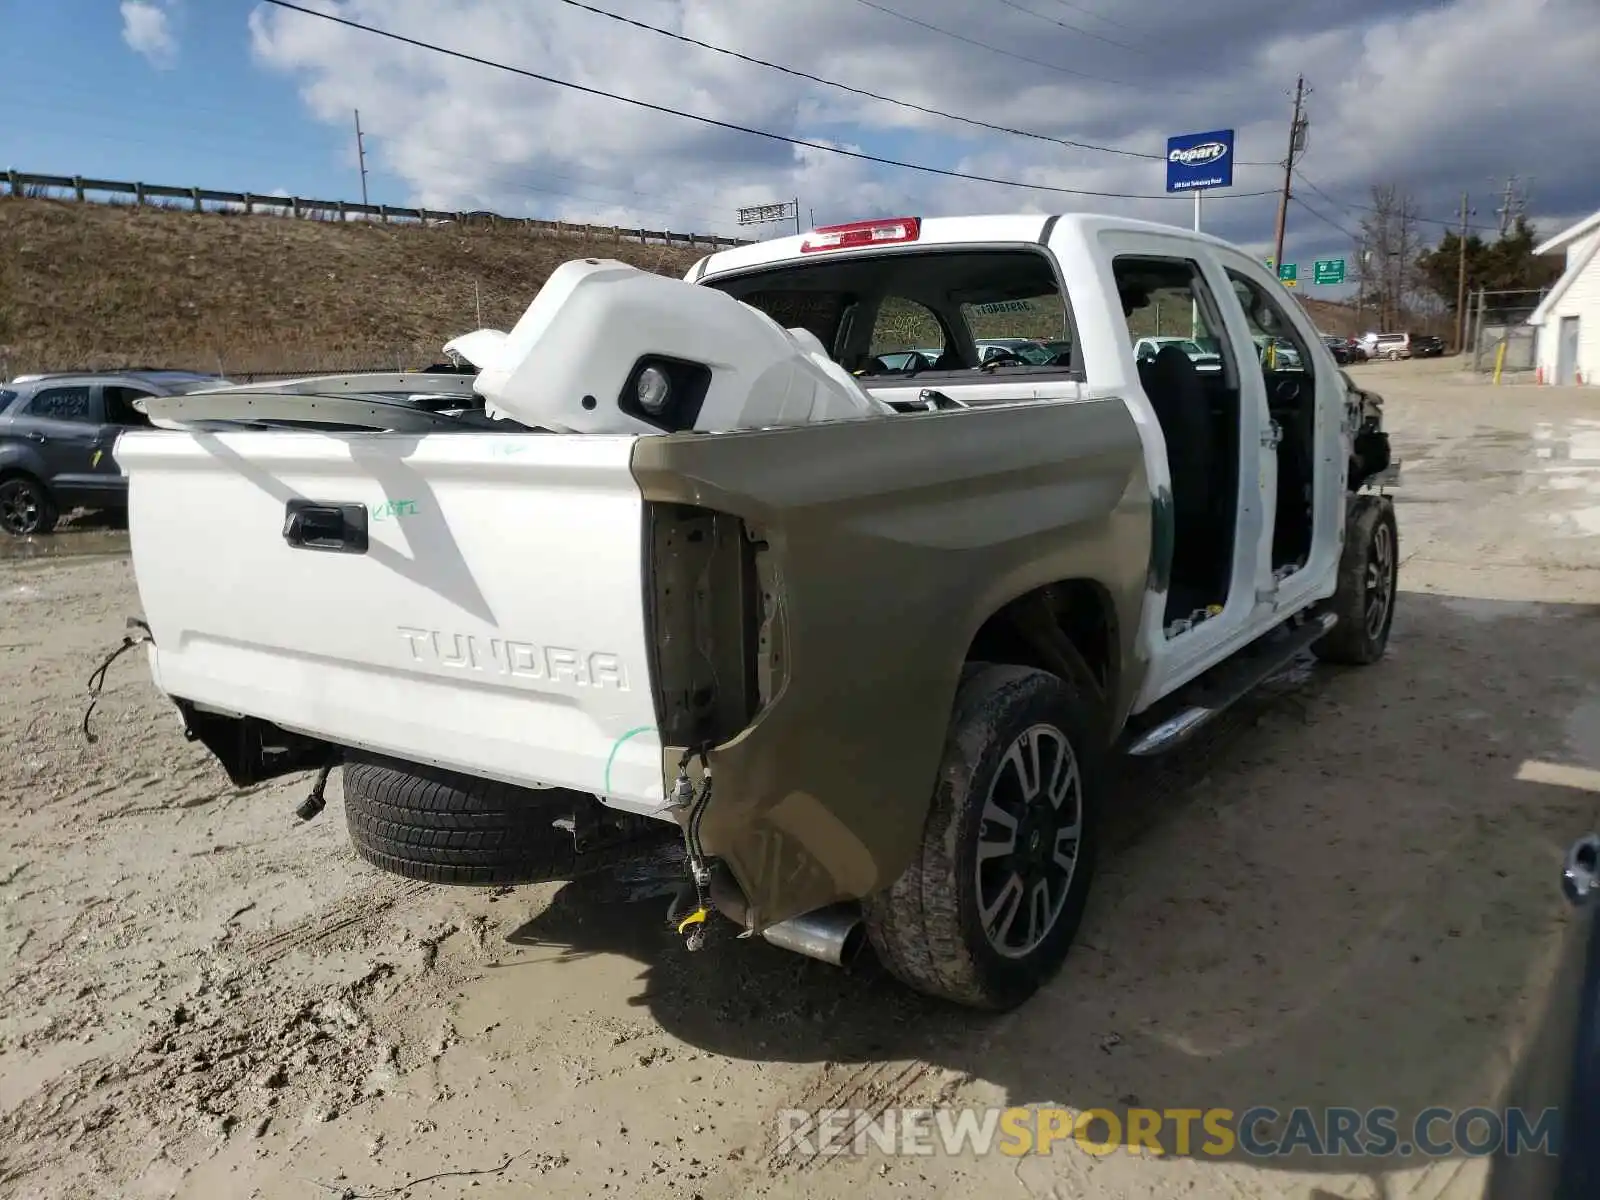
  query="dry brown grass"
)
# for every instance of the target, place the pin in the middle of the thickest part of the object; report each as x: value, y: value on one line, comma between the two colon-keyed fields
x: 87, y: 286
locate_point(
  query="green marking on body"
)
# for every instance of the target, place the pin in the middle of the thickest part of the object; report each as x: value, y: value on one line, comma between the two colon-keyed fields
x: 617, y: 745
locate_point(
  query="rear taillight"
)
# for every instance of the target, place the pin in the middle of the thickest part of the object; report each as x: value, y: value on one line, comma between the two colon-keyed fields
x: 862, y: 233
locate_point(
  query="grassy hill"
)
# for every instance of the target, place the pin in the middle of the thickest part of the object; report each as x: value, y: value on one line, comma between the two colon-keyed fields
x: 86, y: 286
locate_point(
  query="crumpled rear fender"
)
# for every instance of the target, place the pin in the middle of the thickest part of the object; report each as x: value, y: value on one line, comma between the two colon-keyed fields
x: 818, y: 645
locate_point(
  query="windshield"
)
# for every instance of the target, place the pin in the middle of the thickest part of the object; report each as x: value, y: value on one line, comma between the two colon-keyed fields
x: 890, y: 316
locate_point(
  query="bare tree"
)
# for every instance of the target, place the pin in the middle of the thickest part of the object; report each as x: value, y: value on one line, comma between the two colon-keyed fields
x: 1386, y: 255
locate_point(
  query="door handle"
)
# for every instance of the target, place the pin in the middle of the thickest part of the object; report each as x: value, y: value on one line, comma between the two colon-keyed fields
x: 34, y: 435
x: 333, y: 527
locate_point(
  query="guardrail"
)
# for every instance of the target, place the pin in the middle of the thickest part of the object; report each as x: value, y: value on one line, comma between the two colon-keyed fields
x: 296, y: 206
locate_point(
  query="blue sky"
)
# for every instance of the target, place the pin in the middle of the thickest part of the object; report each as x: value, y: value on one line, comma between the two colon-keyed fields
x: 82, y: 102
x: 1436, y: 96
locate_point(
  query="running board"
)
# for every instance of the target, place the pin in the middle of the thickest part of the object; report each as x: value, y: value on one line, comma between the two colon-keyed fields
x: 1227, y: 682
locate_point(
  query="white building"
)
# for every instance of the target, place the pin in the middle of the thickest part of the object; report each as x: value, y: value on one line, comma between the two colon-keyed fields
x: 1568, y: 320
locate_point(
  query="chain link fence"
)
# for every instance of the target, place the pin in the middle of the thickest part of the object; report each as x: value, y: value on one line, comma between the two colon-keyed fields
x: 1499, y: 337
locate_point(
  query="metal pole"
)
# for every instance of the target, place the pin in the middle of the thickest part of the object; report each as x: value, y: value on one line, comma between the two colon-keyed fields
x: 797, y: 214
x: 1194, y: 302
x: 1461, y: 283
x: 1288, y: 174
x: 1477, y: 333
x: 361, y: 157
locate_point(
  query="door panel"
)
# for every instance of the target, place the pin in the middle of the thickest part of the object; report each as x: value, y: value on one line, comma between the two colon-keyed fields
x: 1304, y: 392
x: 1567, y: 351
x: 61, y: 422
x: 115, y: 405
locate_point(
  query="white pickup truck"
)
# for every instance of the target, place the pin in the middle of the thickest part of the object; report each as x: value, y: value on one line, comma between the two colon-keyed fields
x: 905, y: 610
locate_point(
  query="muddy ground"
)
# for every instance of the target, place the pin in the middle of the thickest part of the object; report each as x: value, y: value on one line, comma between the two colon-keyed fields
x: 1344, y: 896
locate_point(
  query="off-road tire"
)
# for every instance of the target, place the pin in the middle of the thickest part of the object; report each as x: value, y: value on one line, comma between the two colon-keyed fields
x: 926, y: 927
x: 24, y: 490
x: 1356, y: 641
x: 437, y: 825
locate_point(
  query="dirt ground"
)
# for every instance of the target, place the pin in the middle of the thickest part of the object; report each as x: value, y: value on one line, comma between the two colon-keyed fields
x: 1344, y: 896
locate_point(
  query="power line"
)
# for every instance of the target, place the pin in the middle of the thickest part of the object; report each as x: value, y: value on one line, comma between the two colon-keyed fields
x: 731, y: 126
x: 1089, y: 12
x: 1324, y: 218
x: 961, y: 37
x: 855, y: 91
x: 1352, y: 207
x: 1099, y: 37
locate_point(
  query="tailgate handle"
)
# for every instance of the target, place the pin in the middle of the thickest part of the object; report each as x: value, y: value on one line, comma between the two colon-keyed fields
x: 317, y: 525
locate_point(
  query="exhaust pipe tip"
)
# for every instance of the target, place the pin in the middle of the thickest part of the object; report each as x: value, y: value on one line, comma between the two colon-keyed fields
x: 834, y: 934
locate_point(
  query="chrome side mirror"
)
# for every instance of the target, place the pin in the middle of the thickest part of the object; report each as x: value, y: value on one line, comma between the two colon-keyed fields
x: 1580, y: 878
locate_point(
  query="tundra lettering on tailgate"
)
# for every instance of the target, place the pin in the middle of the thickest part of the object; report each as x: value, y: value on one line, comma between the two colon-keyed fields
x: 521, y: 660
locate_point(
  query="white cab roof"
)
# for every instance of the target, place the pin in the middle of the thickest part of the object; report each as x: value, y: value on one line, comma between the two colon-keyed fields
x: 999, y: 228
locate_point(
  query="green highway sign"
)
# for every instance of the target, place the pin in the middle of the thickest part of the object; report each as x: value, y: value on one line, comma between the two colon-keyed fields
x: 1289, y: 272
x: 1328, y: 270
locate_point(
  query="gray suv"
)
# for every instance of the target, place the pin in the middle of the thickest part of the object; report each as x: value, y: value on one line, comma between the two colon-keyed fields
x: 56, y: 437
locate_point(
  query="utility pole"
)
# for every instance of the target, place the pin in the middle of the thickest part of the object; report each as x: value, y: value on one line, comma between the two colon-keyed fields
x: 361, y: 157
x: 1510, y: 205
x: 1297, y: 139
x: 1461, y: 280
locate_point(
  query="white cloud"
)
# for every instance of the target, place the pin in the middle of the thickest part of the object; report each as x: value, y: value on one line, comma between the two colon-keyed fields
x: 147, y: 28
x: 1434, y: 95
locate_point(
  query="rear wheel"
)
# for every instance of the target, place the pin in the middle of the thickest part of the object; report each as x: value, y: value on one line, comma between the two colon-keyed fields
x: 1369, y: 571
x: 444, y: 827
x: 989, y: 908
x: 26, y: 507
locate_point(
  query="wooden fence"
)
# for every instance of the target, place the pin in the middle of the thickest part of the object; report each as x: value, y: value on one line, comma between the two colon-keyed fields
x: 341, y: 210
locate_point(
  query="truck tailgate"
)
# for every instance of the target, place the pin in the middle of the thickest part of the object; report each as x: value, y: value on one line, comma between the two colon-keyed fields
x: 493, y: 623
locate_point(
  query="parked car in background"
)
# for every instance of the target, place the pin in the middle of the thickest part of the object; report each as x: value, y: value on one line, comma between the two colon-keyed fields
x: 1277, y: 354
x: 56, y: 437
x: 1426, y: 345
x: 1146, y: 348
x: 1027, y: 350
x: 1392, y: 346
x: 907, y: 360
x: 1358, y: 352
x: 1338, y: 347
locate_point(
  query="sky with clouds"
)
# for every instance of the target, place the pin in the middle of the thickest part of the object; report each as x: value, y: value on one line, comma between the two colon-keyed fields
x: 1437, y: 96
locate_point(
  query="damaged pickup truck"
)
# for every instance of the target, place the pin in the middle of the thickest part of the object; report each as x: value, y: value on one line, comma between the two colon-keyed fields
x: 772, y: 554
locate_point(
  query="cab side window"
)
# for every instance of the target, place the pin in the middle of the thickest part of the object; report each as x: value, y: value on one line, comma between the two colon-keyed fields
x: 60, y: 404
x: 1280, y: 350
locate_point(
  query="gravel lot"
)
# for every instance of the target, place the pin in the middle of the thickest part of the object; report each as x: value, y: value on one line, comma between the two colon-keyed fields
x: 1346, y: 895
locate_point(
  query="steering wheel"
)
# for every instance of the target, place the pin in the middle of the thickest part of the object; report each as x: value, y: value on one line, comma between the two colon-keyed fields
x: 999, y: 357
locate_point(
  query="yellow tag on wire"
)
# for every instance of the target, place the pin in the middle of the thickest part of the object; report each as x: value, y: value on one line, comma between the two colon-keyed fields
x: 697, y: 917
